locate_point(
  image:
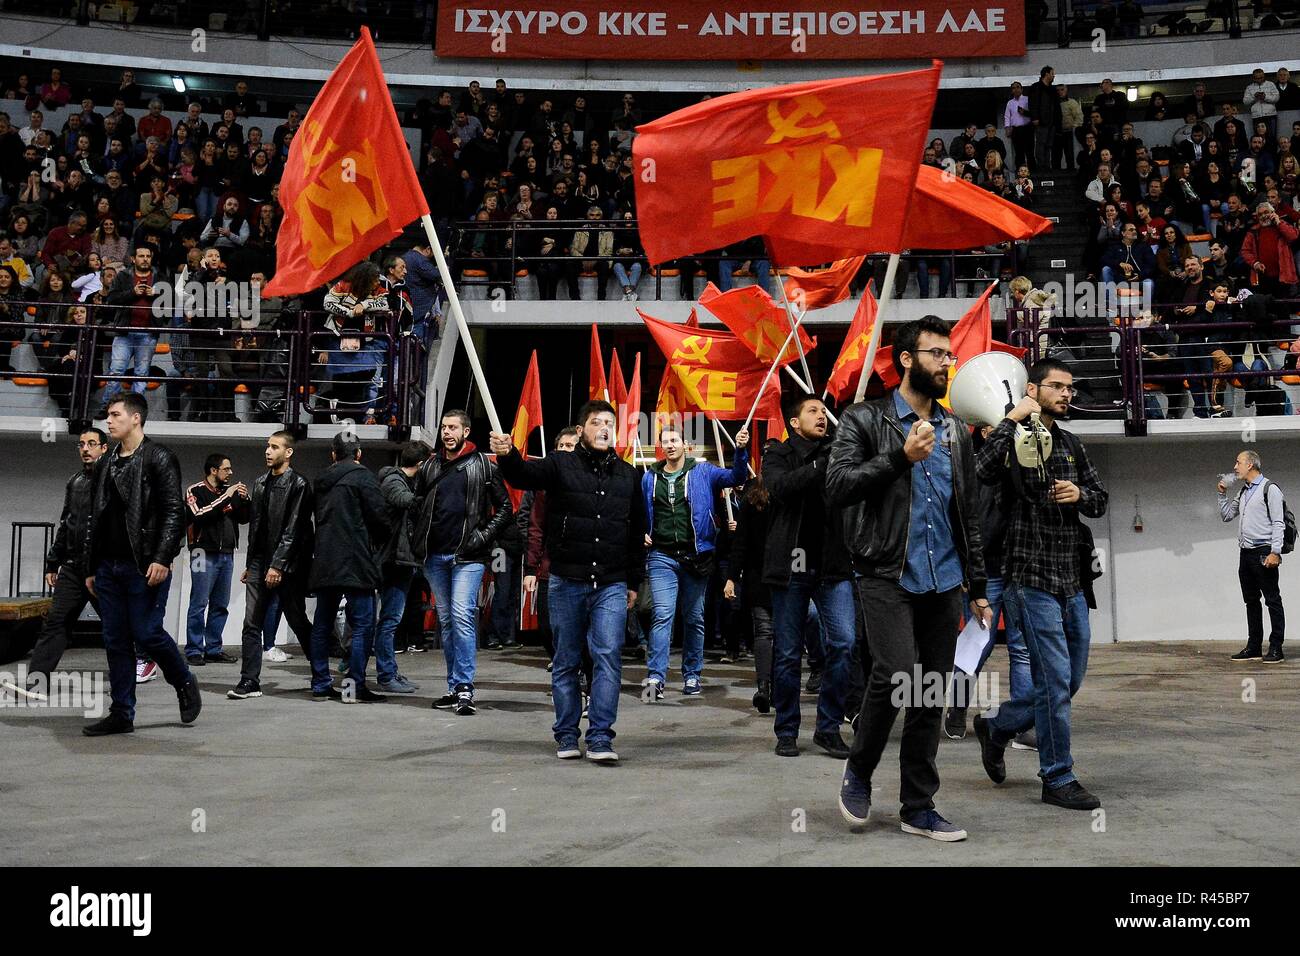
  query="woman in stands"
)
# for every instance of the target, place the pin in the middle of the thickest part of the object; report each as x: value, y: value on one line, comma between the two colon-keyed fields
x: 587, y: 191
x: 554, y: 158
x: 1288, y: 171
x: 627, y: 256
x: 1158, y: 107
x: 1173, y: 251
x: 185, y: 178
x: 552, y: 246
x: 56, y: 350
x: 27, y: 240
x: 1214, y: 189
x: 13, y: 308
x: 1149, y: 226
x: 1115, y: 194
x: 1110, y: 229
x: 992, y: 163
x: 208, y: 174
x: 54, y: 298
x: 180, y: 141
x: 523, y: 208
x: 109, y: 244
x: 354, y: 305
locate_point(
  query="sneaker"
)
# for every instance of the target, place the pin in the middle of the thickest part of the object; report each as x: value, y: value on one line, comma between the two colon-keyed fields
x: 855, y: 798
x: 465, y: 703
x: 814, y: 684
x: 602, y: 753
x: 398, y: 685
x: 1247, y: 654
x: 1274, y: 655
x: 276, y: 656
x: 632, y: 296
x: 195, y: 660
x: 1028, y: 740
x: 833, y: 744
x: 444, y: 702
x: 221, y: 657
x: 549, y: 666
x: 112, y: 724
x: 787, y: 747
x: 509, y: 644
x: 954, y: 723
x: 417, y: 648
x: 691, y: 687
x: 145, y: 671
x: 586, y: 704
x: 329, y: 693
x: 930, y: 824
x: 1071, y: 796
x: 401, y: 650
x: 362, y: 694
x: 763, y: 697
x: 654, y: 691
x: 568, y: 750
x: 244, y: 690
x: 726, y: 659
x: 492, y: 644
x: 343, y: 667
x: 992, y: 755
x: 191, y: 702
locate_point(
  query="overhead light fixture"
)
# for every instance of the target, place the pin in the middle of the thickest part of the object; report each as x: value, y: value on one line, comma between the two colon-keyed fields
x: 1132, y: 94
x: 179, y: 86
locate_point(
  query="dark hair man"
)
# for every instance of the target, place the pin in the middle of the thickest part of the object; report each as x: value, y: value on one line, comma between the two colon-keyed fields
x: 134, y: 289
x: 463, y: 508
x: 679, y: 493
x: 903, y: 468
x: 805, y: 561
x: 65, y: 571
x: 137, y: 518
x: 1262, y: 510
x: 351, y: 527
x: 1044, y: 581
x: 595, y: 526
x: 398, y: 561
x: 214, y: 511
x: 532, y: 512
x: 280, y: 543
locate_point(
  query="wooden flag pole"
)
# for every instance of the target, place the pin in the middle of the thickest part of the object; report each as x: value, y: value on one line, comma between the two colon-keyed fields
x: 886, y: 296
x: 722, y: 463
x: 454, y: 301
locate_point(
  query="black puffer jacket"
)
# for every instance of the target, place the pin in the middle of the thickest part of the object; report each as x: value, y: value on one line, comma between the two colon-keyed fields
x: 289, y: 537
x: 399, y: 496
x: 487, y: 506
x: 71, y: 536
x: 150, y: 484
x: 595, y: 516
x: 351, y: 528
x: 745, y: 563
x: 869, y: 484
x: 793, y: 470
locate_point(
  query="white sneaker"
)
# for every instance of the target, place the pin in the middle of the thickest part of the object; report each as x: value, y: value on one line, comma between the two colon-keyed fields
x: 276, y: 655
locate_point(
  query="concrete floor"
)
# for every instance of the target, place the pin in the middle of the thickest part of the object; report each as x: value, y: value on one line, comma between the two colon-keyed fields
x: 1188, y: 774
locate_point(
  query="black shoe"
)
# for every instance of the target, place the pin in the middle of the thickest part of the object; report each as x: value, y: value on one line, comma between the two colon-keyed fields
x: 954, y: 723
x: 763, y: 697
x: 329, y: 693
x: 1274, y: 655
x: 510, y: 644
x: 1247, y: 654
x: 492, y: 644
x: 444, y: 702
x: 787, y: 747
x: 114, y: 723
x: 418, y: 648
x: 195, y: 661
x: 187, y: 695
x: 833, y: 744
x: 465, y: 703
x: 221, y: 658
x: 244, y: 690
x: 1072, y: 796
x: 814, y: 684
x: 992, y: 755
x: 362, y: 694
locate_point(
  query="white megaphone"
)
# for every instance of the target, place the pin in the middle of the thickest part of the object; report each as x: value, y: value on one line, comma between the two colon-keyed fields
x: 988, y: 386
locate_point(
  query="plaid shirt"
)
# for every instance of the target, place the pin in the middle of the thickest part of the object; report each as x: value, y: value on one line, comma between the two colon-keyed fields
x: 1041, y: 548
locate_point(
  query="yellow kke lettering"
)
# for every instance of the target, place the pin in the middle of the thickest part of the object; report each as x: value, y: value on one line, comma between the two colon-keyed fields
x: 793, y: 182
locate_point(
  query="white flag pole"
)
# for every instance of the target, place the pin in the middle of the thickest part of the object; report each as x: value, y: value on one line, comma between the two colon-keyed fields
x: 789, y: 314
x: 804, y: 385
x: 722, y: 463
x: 772, y: 368
x: 454, y: 301
x: 886, y: 296
x: 731, y: 441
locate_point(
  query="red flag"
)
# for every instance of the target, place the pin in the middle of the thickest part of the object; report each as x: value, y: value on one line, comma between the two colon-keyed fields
x: 597, y: 386
x: 529, y: 415
x: 818, y: 289
x: 629, y: 413
x: 711, y: 372
x: 617, y: 386
x: 848, y: 365
x: 348, y: 185
x: 756, y: 319
x: 692, y: 320
x: 821, y: 169
x: 950, y: 213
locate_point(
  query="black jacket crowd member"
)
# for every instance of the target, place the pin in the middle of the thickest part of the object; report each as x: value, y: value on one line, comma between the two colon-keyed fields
x: 464, y: 508
x: 137, y: 520
x: 397, y: 561
x: 280, y: 544
x: 1047, y: 568
x: 65, y: 571
x: 745, y: 568
x: 902, y: 474
x: 215, y: 508
x: 595, y: 531
x: 805, y: 562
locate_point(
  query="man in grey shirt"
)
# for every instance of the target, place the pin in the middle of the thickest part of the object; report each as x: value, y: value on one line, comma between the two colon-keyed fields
x: 1260, y: 506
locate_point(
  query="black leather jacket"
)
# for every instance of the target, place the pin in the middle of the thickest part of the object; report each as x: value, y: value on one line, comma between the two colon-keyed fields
x: 870, y: 480
x: 289, y: 534
x: 70, y: 537
x: 487, y: 506
x: 150, y: 484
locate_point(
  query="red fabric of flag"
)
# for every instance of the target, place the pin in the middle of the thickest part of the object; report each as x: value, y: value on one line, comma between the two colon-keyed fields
x: 628, y: 414
x: 597, y: 386
x: 848, y: 365
x: 822, y: 287
x: 755, y: 318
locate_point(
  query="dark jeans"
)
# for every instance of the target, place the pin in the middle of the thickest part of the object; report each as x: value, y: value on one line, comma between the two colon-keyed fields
x: 505, y: 600
x: 905, y: 631
x: 69, y: 599
x: 132, y: 614
x: 258, y: 598
x: 361, y: 618
x: 762, y: 643
x: 1257, y: 580
x: 834, y: 601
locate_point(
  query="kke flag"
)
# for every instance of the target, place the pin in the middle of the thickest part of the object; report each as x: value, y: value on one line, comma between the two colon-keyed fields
x: 348, y: 184
x: 712, y: 373
x: 529, y: 415
x: 617, y: 385
x: 822, y: 170
x: 822, y: 287
x: 950, y: 213
x: 597, y: 387
x: 628, y: 414
x: 761, y: 324
x: 848, y: 366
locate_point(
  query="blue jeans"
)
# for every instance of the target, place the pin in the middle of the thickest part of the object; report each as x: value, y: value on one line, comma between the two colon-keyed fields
x: 393, y: 606
x: 596, y: 616
x: 455, y: 592
x: 361, y: 618
x: 132, y: 615
x: 834, y: 602
x: 1112, y: 277
x: 1022, y: 682
x: 271, y: 623
x: 762, y: 272
x: 210, y: 595
x: 671, y: 587
x: 1057, y: 635
x: 629, y: 276
x: 205, y: 204
x: 133, y: 351
x: 945, y: 276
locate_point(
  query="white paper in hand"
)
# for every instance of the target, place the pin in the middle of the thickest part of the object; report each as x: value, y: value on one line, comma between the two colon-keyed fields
x: 970, y: 645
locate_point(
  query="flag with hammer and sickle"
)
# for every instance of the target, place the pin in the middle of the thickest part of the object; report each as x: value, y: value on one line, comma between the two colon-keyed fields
x: 822, y: 170
x: 348, y: 184
x: 755, y: 318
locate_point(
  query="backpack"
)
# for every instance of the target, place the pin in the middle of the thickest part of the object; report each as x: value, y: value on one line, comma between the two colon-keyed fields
x: 1288, y: 521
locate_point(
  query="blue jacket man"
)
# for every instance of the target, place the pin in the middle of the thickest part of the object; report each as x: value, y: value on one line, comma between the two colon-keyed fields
x: 678, y: 494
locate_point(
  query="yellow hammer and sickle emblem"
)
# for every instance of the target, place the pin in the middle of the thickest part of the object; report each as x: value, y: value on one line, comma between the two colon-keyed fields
x: 694, y: 349
x: 786, y: 125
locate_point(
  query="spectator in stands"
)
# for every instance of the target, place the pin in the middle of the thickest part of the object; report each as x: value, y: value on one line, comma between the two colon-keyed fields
x: 1230, y: 133
x: 66, y: 247
x: 259, y: 176
x: 35, y: 121
x: 1158, y: 108
x: 1266, y: 249
x: 13, y: 308
x: 1150, y: 228
x: 1045, y: 118
x: 57, y: 355
x: 1288, y: 94
x: 108, y: 243
x: 1264, y: 163
x: 1103, y: 133
x: 1200, y: 103
x: 1112, y: 104
x: 234, y: 131
x: 1106, y: 18
x: 1128, y: 261
x: 1261, y: 97
x: 154, y: 124
x: 27, y: 241
x: 957, y: 149
x: 465, y: 129
x: 55, y: 94
x: 1192, y: 149
x: 1126, y: 146
x: 157, y: 206
x: 1088, y: 158
x: 1071, y: 120
x: 229, y: 229
x: 627, y: 112
x: 628, y: 255
x: 424, y: 284
x: 152, y: 164
x: 241, y: 102
x: 9, y: 257
x: 969, y: 161
x: 1173, y: 250
x: 134, y: 291
x: 1016, y: 121
x: 1097, y: 189
x: 939, y: 150
x: 552, y: 243
x: 1130, y: 19
x: 290, y: 127
x: 591, y: 240
x: 993, y: 164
